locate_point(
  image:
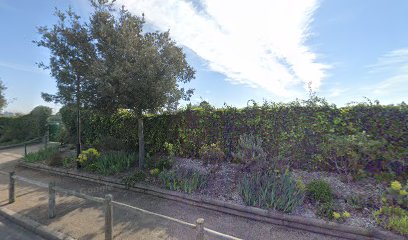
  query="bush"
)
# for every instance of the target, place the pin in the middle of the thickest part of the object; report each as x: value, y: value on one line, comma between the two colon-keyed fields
x: 319, y: 191
x: 272, y: 190
x: 112, y: 162
x: 41, y: 155
x: 186, y: 180
x: 89, y: 156
x: 393, y: 218
x: 211, y: 154
x: 325, y: 210
x: 154, y: 172
x: 136, y: 177
x: 249, y: 149
x: 396, y: 195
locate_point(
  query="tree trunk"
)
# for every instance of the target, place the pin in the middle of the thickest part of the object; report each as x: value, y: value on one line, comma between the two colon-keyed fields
x: 141, y: 142
x: 78, y: 105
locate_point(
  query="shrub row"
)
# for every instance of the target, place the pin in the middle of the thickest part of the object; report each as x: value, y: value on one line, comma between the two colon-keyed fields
x: 308, y: 134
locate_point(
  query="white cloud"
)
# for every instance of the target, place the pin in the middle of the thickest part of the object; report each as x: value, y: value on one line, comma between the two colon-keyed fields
x: 257, y: 43
x: 394, y: 66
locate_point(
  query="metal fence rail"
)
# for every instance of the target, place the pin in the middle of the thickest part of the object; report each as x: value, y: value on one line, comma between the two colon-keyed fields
x: 108, y: 202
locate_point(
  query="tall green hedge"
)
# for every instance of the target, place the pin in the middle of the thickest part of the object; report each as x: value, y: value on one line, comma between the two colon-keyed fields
x: 26, y: 127
x: 289, y: 130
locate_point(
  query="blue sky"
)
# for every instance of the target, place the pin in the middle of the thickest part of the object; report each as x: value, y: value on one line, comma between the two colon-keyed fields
x: 241, y: 49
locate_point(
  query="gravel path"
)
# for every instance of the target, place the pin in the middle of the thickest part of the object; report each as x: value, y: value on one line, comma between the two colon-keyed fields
x: 84, y: 220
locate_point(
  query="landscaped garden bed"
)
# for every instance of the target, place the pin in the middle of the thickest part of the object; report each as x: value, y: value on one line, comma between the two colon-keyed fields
x: 346, y: 165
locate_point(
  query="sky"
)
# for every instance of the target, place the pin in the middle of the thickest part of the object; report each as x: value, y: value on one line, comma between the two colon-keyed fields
x: 273, y: 50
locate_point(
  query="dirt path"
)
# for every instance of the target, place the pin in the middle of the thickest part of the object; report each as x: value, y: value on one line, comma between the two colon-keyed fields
x: 84, y: 220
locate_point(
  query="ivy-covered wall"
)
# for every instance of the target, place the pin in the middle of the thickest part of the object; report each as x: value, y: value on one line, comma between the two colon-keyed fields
x: 298, y: 131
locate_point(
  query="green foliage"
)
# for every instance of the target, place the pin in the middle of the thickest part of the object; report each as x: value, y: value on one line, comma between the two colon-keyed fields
x: 88, y: 156
x: 356, y: 201
x: 183, y: 180
x: 272, y: 191
x: 3, y: 101
x: 325, y: 210
x: 396, y: 195
x: 319, y: 191
x: 130, y: 181
x: 298, y: 133
x: 211, y: 154
x: 26, y: 127
x: 393, y: 218
x: 42, y: 155
x: 112, y: 162
x: 154, y: 172
x: 249, y: 149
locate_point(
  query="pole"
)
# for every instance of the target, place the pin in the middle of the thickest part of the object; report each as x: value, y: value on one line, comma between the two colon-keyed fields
x: 108, y: 217
x: 12, y: 183
x: 200, y: 229
x: 141, y: 142
x: 51, y: 199
x: 78, y: 105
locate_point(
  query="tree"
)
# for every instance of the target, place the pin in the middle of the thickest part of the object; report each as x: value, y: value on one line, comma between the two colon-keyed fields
x: 108, y: 63
x: 72, y: 54
x: 3, y: 101
x: 137, y: 71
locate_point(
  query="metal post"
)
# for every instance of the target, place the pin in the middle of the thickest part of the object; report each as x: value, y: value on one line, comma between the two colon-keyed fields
x: 12, y: 196
x: 200, y: 229
x: 108, y: 217
x: 51, y: 199
x: 25, y: 149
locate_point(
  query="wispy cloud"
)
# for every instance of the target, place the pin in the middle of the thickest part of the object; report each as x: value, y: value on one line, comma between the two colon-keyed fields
x: 394, y: 67
x: 19, y: 67
x: 257, y: 43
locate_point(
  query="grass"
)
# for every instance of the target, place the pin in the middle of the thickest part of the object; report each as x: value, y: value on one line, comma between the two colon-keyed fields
x: 41, y: 155
x: 113, y: 162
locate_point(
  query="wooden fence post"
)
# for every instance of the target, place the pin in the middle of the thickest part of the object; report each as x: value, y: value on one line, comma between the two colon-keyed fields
x: 51, y: 199
x: 108, y: 217
x: 200, y: 229
x: 12, y: 196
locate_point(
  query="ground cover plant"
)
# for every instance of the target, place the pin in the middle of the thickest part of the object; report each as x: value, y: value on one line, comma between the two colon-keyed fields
x: 272, y: 190
x: 185, y: 180
x: 41, y: 155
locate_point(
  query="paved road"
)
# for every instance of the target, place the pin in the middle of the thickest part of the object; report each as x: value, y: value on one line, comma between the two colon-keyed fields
x: 84, y: 220
x: 11, y: 231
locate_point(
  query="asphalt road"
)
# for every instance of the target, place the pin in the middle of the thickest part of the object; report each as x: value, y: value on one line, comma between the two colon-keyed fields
x: 11, y: 231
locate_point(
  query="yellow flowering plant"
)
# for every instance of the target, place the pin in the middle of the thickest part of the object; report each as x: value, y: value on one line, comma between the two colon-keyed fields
x: 88, y: 155
x: 336, y: 215
x: 396, y: 195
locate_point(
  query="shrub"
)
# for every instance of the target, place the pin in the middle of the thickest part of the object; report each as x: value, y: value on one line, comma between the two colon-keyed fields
x: 136, y: 177
x: 41, y: 155
x: 154, y: 171
x: 112, y: 162
x: 325, y: 210
x: 88, y: 156
x: 56, y: 160
x: 271, y: 190
x: 249, y: 149
x: 393, y: 218
x: 396, y: 195
x: 187, y: 180
x: 211, y: 154
x: 319, y: 191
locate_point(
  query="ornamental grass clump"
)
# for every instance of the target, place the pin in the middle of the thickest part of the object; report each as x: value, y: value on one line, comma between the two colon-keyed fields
x: 42, y: 155
x: 272, y: 190
x: 186, y: 180
x: 319, y: 191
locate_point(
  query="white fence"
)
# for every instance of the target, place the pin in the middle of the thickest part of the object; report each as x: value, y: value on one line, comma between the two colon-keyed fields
x: 108, y: 203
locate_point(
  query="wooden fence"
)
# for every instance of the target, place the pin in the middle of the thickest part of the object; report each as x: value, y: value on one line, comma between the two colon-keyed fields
x: 108, y: 205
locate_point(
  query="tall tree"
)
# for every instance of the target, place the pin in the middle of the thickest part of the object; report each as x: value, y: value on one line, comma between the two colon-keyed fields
x: 110, y: 63
x: 72, y: 54
x: 3, y: 101
x: 137, y: 71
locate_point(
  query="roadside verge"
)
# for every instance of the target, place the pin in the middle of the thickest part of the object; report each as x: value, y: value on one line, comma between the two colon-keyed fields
x: 307, y: 224
x: 33, y: 226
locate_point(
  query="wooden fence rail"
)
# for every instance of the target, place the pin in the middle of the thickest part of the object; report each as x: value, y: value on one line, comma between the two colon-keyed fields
x: 108, y: 205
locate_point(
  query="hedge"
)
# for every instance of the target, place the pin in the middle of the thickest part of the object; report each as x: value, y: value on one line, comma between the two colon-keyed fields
x: 293, y: 130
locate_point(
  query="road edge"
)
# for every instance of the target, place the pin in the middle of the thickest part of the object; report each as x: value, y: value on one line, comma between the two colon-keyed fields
x: 33, y: 226
x: 311, y: 225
